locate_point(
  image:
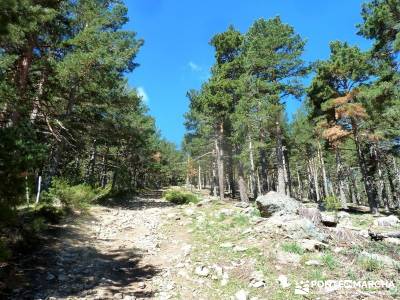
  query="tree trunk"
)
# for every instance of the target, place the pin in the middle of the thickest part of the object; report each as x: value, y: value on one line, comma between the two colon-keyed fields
x: 91, y: 164
x: 242, y: 185
x: 214, y: 179
x: 368, y: 173
x: 199, y: 178
x: 280, y: 161
x: 220, y: 162
x: 231, y: 177
x: 288, y: 176
x: 252, y: 169
x: 314, y: 169
x: 340, y: 176
x: 324, y: 178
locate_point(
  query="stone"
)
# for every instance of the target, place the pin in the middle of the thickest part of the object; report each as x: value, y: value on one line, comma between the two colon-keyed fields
x: 286, y: 258
x: 301, y: 291
x: 383, y: 259
x: 142, y: 285
x: 50, y: 276
x: 393, y: 241
x: 202, y: 271
x: 242, y: 295
x: 189, y: 212
x: 226, y: 245
x: 242, y: 204
x: 329, y: 220
x: 312, y: 245
x: 257, y: 279
x: 283, y: 281
x: 186, y: 249
x: 239, y: 249
x: 387, y: 221
x: 312, y: 262
x: 311, y: 213
x: 274, y: 203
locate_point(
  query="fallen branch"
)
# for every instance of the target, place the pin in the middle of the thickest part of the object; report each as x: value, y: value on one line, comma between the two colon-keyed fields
x: 379, y: 236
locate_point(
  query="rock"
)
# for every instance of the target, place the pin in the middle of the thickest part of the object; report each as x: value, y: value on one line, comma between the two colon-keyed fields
x: 387, y: 221
x: 312, y: 245
x: 343, y: 215
x: 311, y: 213
x: 286, y: 258
x: 118, y: 296
x: 329, y: 220
x: 50, y: 276
x: 142, y: 285
x: 242, y: 204
x: 202, y: 271
x: 274, y: 203
x: 257, y: 279
x: 186, y: 249
x: 283, y: 281
x: 239, y: 249
x: 189, y: 212
x: 301, y: 291
x: 242, y: 295
x: 383, y: 259
x: 226, y: 245
x: 393, y: 241
x: 312, y: 262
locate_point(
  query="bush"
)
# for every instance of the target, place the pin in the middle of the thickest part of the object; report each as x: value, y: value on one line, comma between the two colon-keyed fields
x: 332, y: 203
x: 292, y: 248
x: 180, y: 197
x: 77, y: 196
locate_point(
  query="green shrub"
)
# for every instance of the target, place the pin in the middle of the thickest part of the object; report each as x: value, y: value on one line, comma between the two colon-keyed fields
x: 329, y: 260
x: 370, y: 264
x: 332, y: 203
x: 51, y: 214
x: 77, y: 196
x: 180, y: 197
x: 292, y: 248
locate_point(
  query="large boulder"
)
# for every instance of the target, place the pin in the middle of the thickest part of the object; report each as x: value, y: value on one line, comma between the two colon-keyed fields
x: 276, y: 204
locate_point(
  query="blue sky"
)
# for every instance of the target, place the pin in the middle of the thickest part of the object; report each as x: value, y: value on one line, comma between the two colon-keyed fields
x: 177, y: 56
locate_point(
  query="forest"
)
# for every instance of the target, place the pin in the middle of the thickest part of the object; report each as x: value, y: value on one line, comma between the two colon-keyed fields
x: 96, y: 203
x: 342, y: 146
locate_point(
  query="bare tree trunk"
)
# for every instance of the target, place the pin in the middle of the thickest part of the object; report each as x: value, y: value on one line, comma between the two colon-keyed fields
x: 252, y: 169
x: 242, y: 185
x: 288, y: 176
x: 340, y: 176
x: 367, y: 172
x: 104, y: 179
x: 220, y: 161
x: 91, y: 164
x: 280, y: 161
x: 324, y: 178
x: 314, y: 169
x: 214, y: 179
x: 199, y: 178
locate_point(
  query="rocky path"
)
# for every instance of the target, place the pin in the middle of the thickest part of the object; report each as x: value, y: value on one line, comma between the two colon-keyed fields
x: 117, y: 252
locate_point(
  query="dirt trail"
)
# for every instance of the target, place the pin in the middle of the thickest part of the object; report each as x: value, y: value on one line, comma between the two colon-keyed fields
x: 117, y: 252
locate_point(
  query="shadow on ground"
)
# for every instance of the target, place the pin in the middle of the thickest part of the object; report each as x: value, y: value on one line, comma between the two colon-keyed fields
x: 65, y: 264
x: 148, y: 199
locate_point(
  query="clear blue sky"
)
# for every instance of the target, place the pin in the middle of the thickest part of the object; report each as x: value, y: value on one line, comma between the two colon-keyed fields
x: 176, y: 55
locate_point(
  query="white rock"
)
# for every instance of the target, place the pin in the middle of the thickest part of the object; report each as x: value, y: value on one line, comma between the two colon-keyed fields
x: 302, y: 291
x: 387, y: 221
x: 283, y: 281
x: 226, y: 245
x: 202, y: 271
x: 242, y: 295
x: 239, y: 248
x: 312, y: 262
x: 186, y: 249
x: 189, y: 212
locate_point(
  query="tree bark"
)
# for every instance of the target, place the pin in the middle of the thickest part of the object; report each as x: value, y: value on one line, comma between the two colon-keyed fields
x: 252, y: 169
x: 368, y: 172
x: 242, y: 185
x: 340, y: 176
x: 220, y: 161
x: 280, y: 160
x: 324, y: 177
